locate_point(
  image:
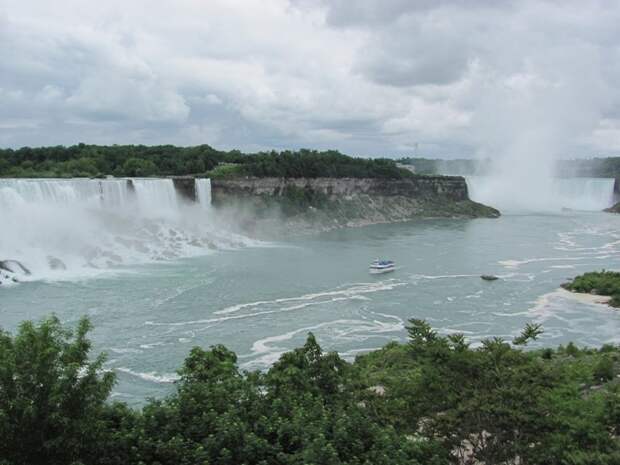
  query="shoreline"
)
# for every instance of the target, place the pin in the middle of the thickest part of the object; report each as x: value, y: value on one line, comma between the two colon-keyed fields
x: 585, y: 298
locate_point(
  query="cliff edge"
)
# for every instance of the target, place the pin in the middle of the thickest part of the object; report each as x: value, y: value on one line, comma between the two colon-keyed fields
x: 315, y: 204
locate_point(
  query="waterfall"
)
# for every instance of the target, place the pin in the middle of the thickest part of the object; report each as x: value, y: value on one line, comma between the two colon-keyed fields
x: 586, y: 194
x: 150, y: 194
x: 72, y: 228
x: 63, y: 191
x: 155, y: 195
x: 203, y: 192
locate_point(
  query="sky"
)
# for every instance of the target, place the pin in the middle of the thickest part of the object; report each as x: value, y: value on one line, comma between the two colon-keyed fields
x: 434, y: 78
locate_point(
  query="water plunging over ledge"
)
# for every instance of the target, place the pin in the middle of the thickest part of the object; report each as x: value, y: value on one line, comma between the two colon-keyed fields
x: 63, y: 228
x: 585, y: 194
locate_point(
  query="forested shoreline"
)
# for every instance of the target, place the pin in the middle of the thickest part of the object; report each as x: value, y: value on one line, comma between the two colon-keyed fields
x: 603, y: 283
x: 83, y: 160
x: 434, y: 400
x: 88, y: 160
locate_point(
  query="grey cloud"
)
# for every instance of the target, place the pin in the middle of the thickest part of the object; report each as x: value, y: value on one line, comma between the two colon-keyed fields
x: 368, y: 12
x: 427, y: 57
x: 366, y: 77
x: 343, y: 13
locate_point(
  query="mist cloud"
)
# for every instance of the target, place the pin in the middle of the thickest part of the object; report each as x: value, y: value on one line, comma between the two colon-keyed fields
x: 366, y: 77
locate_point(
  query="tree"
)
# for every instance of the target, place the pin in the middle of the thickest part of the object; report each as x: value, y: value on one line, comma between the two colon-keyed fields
x: 51, y: 395
x: 138, y: 167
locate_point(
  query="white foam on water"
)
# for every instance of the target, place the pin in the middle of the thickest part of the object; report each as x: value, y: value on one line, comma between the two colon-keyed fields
x: 122, y: 350
x: 122, y: 395
x: 550, y: 305
x: 475, y: 295
x: 353, y: 291
x: 350, y: 355
x: 562, y: 312
x: 452, y: 331
x: 511, y: 264
x: 267, y: 351
x: 152, y: 345
x: 447, y: 276
x: 151, y: 376
x: 253, y: 314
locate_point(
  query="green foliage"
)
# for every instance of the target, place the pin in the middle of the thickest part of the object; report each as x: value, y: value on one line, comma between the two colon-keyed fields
x: 138, y: 167
x: 604, y: 369
x: 303, y: 411
x: 313, y: 164
x: 296, y: 200
x: 225, y: 171
x: 139, y: 160
x: 598, y: 282
x: 529, y: 333
x: 494, y: 403
x: 51, y: 395
x: 435, y: 400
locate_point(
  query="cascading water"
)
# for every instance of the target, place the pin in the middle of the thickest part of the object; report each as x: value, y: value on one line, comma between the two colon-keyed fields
x: 203, y: 191
x: 155, y: 195
x: 70, y: 228
x: 588, y: 194
x: 112, y: 192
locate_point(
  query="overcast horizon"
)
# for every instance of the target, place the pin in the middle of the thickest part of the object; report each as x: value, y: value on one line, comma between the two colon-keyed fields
x: 369, y: 78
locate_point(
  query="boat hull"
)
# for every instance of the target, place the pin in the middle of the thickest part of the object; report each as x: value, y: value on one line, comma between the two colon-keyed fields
x: 381, y: 270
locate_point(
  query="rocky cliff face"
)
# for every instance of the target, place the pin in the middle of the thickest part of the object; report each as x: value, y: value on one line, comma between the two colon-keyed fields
x: 428, y: 187
x: 328, y: 203
x: 185, y: 186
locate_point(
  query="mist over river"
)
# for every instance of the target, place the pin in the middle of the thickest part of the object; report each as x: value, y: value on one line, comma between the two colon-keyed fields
x: 262, y: 299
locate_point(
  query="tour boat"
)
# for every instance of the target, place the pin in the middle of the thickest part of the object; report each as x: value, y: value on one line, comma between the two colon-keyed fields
x: 381, y: 266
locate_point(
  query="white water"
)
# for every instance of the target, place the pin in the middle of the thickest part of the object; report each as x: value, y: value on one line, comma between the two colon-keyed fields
x: 585, y: 194
x: 74, y: 228
x: 203, y: 192
x: 155, y: 195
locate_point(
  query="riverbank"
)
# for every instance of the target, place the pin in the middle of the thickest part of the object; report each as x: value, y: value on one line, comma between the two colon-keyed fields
x: 601, y: 285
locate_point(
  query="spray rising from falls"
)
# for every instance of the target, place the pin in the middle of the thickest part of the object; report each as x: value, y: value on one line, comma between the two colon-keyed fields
x: 64, y: 229
x: 555, y: 194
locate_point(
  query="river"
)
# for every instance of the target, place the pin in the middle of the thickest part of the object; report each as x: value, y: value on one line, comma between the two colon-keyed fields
x: 262, y: 298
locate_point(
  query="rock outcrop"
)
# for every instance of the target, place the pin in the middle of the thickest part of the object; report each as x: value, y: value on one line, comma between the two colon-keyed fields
x: 11, y: 271
x: 614, y: 209
x: 185, y: 186
x: 329, y: 203
x: 13, y: 266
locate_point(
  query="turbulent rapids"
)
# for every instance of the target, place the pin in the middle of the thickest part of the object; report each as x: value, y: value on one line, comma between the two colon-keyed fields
x: 57, y: 228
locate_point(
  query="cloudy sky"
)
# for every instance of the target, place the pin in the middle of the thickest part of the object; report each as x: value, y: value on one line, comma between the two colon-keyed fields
x: 368, y: 77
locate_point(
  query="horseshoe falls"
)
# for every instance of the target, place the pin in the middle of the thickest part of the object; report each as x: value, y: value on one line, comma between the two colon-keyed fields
x: 555, y: 194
